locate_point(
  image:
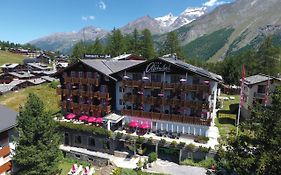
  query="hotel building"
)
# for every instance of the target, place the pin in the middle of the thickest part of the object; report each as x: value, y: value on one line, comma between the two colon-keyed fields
x: 166, y: 93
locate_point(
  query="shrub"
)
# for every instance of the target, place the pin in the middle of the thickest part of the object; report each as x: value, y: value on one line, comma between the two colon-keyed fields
x: 85, y: 128
x: 162, y: 142
x: 201, y: 139
x: 181, y: 145
x: 174, y: 144
x: 152, y: 157
x: 204, y: 149
x: 140, y: 140
x: 190, y: 147
x: 127, y: 137
x: 207, y: 163
x: 119, y: 135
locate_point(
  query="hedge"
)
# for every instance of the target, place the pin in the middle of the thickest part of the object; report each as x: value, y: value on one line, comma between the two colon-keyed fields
x: 85, y: 128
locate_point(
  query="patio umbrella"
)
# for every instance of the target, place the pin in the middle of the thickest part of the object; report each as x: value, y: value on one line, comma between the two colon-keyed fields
x: 145, y: 126
x: 92, y: 119
x: 70, y: 116
x: 86, y: 171
x: 73, y: 168
x: 182, y: 80
x: 133, y: 124
x: 145, y: 78
x: 83, y: 118
x: 126, y: 77
x: 99, y: 120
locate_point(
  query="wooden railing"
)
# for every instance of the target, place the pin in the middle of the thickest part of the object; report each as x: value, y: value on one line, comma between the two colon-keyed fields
x: 166, y: 86
x: 167, y: 117
x: 86, y: 107
x: 5, y: 167
x: 81, y: 80
x: 164, y: 101
x: 4, y: 151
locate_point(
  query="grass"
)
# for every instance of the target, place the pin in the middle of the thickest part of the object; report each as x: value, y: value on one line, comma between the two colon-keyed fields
x: 8, y: 57
x: 125, y: 171
x: 203, y: 163
x: 66, y: 164
x: 47, y: 94
x: 227, y: 117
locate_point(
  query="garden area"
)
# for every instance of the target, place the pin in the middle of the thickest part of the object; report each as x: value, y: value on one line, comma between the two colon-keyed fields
x: 226, y: 117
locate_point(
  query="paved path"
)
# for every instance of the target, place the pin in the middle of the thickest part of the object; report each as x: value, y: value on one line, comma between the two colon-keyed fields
x: 166, y: 167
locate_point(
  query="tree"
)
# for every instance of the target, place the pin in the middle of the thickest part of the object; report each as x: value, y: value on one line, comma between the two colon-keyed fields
x: 147, y: 48
x: 134, y: 43
x: 116, y: 44
x: 171, y: 45
x: 152, y: 157
x: 37, y: 150
x: 96, y: 48
x: 256, y: 150
x: 78, y: 51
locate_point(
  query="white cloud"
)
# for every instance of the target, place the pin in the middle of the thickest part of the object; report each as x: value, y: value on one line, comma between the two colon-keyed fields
x: 102, y: 5
x: 86, y: 18
x: 92, y: 17
x: 211, y: 3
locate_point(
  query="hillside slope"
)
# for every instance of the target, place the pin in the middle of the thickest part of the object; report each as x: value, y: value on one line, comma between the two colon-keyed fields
x: 8, y: 57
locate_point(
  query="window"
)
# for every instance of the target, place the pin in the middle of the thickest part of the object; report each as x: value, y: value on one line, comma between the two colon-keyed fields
x: 120, y: 89
x: 77, y: 140
x: 121, y: 102
x: 261, y: 89
x: 155, y: 77
x: 91, y: 141
x: 137, y: 76
x: 175, y: 78
x: 196, y: 80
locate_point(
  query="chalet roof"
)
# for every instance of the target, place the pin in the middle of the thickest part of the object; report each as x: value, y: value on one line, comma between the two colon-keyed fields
x: 21, y: 74
x: 39, y: 66
x: 259, y: 78
x: 108, y: 67
x: 7, y: 119
x: 8, y: 65
x: 48, y: 78
x: 189, y: 67
x: 37, y: 81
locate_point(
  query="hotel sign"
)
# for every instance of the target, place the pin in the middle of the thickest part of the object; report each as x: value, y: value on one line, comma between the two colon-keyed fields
x: 154, y: 67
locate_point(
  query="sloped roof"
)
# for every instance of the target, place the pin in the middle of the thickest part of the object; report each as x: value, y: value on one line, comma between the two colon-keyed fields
x: 259, y: 78
x: 7, y: 118
x: 108, y: 67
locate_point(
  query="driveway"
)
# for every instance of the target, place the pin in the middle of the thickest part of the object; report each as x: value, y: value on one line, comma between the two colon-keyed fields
x: 161, y: 166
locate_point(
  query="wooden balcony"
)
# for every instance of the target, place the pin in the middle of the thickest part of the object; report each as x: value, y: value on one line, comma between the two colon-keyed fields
x: 65, y: 92
x: 155, y: 116
x: 156, y: 85
x: 147, y: 85
x: 74, y: 92
x: 67, y: 79
x: 103, y: 95
x: 4, y: 151
x: 63, y: 104
x: 5, y: 167
x: 126, y: 112
x: 166, y: 117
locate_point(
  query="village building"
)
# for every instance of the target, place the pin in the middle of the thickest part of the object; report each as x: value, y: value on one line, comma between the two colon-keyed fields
x: 7, y: 125
x: 257, y: 90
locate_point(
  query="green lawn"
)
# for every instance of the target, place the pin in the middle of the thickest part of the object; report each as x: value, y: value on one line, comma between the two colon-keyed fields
x: 47, y: 94
x: 66, y: 164
x: 8, y: 57
x: 227, y: 117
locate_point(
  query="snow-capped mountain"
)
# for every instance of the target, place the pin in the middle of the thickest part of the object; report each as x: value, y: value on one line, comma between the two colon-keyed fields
x: 166, y: 20
x: 187, y: 16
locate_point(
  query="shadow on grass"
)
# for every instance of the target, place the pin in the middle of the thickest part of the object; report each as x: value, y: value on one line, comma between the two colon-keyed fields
x: 225, y: 120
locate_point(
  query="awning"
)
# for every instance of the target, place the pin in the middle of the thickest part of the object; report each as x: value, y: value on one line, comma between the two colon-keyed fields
x: 113, y: 118
x: 99, y: 120
x: 70, y: 116
x: 92, y: 119
x: 145, y: 126
x: 133, y: 124
x: 83, y: 118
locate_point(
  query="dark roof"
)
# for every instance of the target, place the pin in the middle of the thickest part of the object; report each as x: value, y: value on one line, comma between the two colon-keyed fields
x: 7, y: 118
x: 109, y: 67
x: 259, y: 78
x: 189, y: 67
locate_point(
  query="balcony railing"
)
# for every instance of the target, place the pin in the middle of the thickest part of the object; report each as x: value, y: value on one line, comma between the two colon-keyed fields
x: 167, y: 117
x: 81, y: 80
x: 165, y: 86
x: 4, y: 151
x: 85, y: 107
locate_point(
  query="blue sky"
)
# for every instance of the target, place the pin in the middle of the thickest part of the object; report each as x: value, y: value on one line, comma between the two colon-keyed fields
x: 25, y: 20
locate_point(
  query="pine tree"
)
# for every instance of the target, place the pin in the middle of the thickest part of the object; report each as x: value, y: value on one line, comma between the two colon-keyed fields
x: 147, y: 49
x: 134, y: 45
x: 78, y: 51
x: 171, y: 45
x: 116, y: 44
x: 37, y: 151
x: 96, y: 48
